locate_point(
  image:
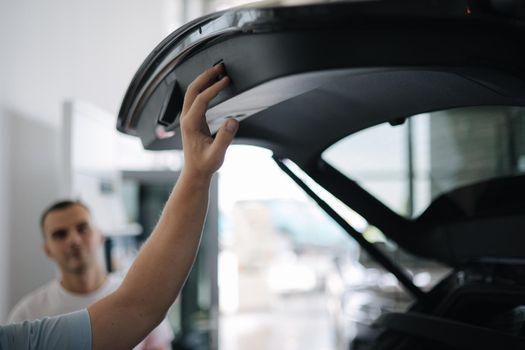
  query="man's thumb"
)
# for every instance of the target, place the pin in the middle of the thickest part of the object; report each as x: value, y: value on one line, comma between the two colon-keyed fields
x: 225, y: 135
x: 231, y: 126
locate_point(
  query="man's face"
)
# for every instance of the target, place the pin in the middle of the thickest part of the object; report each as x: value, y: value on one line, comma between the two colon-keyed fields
x: 71, y: 240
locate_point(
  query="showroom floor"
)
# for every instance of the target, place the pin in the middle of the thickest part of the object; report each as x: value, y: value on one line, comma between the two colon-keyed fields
x: 295, y: 322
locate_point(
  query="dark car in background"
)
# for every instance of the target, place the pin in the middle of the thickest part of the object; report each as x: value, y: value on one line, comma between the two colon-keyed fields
x: 438, y: 89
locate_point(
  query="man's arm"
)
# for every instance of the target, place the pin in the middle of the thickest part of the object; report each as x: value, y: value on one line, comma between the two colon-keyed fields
x: 125, y: 317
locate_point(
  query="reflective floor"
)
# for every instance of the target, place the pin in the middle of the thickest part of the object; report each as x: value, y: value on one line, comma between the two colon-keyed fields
x: 294, y: 322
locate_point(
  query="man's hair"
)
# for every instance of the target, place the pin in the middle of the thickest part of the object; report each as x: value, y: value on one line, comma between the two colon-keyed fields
x: 63, y: 204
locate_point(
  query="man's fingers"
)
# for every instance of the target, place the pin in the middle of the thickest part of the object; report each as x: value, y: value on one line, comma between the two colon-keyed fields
x: 203, y: 81
x: 203, y: 153
x: 200, y: 104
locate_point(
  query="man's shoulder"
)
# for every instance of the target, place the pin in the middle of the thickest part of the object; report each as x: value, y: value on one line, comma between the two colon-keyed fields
x: 27, y: 308
x: 39, y: 295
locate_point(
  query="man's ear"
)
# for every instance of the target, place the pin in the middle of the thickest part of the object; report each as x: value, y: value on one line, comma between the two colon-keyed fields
x: 101, y: 236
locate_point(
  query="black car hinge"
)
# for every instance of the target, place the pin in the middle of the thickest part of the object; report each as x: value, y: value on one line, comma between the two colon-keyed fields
x: 388, y: 264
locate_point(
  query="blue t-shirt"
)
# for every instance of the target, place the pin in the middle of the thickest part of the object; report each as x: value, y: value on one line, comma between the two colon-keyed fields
x: 70, y: 331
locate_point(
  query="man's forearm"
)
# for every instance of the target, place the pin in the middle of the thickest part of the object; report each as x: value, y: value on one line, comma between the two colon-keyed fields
x: 160, y: 270
x: 177, y: 236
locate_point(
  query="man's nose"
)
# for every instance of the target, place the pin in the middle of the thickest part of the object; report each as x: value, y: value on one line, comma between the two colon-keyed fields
x: 74, y: 237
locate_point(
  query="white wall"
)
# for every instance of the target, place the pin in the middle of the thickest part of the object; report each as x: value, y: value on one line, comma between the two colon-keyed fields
x: 34, y: 182
x: 51, y: 51
x: 4, y: 202
x: 4, y: 212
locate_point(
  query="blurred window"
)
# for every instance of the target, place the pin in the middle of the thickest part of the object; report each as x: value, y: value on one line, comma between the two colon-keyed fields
x: 407, y: 166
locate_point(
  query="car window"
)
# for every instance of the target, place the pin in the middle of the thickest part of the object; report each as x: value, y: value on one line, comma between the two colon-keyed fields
x: 408, y: 164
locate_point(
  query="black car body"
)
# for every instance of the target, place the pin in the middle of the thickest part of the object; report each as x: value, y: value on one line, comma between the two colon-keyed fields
x: 306, y: 77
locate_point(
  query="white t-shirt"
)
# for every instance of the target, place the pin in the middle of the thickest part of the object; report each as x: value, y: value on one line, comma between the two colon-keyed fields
x: 52, y: 299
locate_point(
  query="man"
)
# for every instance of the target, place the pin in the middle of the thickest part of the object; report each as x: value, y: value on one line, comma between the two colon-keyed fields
x: 72, y: 242
x: 123, y: 318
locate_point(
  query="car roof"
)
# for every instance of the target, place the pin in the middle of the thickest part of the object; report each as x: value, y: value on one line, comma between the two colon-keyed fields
x: 304, y: 77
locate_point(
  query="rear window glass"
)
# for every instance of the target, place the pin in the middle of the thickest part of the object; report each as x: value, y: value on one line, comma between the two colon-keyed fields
x: 407, y: 166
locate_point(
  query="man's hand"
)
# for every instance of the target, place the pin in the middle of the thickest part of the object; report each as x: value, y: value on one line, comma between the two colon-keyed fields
x: 203, y: 155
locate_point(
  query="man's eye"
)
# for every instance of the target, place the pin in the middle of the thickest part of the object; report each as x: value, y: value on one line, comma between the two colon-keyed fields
x: 82, y: 228
x: 59, y: 235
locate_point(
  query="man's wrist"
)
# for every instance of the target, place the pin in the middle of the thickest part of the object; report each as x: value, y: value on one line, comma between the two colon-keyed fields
x: 195, y: 178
